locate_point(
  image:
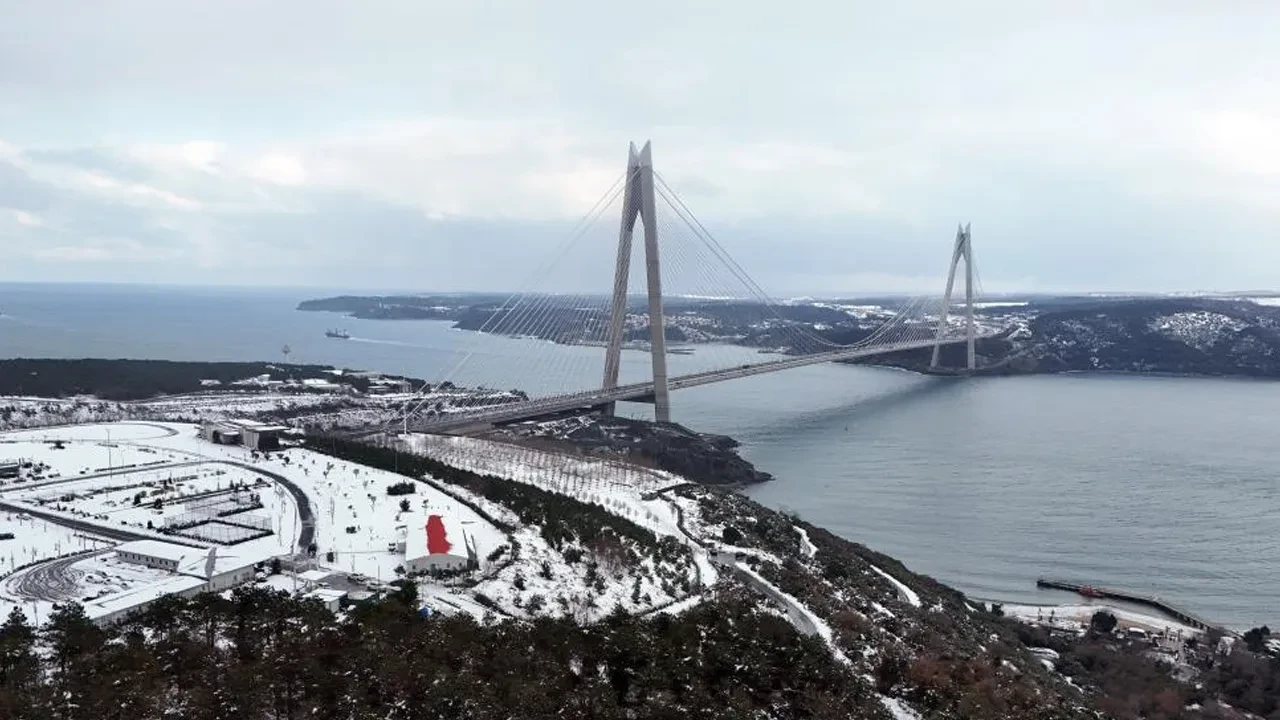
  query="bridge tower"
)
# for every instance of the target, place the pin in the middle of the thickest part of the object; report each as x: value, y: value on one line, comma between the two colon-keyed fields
x: 963, y: 249
x: 638, y: 203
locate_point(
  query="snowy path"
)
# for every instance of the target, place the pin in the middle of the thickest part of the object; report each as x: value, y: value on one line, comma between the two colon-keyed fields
x: 908, y: 595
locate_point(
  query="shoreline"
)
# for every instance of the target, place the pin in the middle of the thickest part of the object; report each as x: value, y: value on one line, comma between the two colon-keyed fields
x: 1076, y: 617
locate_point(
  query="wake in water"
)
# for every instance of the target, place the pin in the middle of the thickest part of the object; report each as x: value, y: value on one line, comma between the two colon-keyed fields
x: 400, y: 343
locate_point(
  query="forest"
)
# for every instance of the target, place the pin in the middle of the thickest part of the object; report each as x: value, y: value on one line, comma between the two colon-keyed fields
x: 260, y: 654
x: 140, y: 379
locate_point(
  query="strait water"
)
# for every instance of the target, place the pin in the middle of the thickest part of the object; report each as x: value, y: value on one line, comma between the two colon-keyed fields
x: 1163, y: 485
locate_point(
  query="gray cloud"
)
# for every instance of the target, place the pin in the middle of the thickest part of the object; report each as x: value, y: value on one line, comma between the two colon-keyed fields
x: 831, y: 146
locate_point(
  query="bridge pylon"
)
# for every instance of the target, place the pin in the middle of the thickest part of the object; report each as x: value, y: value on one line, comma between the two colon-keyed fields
x: 963, y: 250
x: 638, y: 202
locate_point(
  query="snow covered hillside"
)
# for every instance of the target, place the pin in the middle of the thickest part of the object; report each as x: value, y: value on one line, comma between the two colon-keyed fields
x: 874, y: 616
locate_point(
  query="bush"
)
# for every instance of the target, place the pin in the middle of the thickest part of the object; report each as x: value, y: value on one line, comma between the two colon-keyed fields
x: 401, y: 488
x: 731, y: 535
x: 1103, y: 622
x: 1256, y: 638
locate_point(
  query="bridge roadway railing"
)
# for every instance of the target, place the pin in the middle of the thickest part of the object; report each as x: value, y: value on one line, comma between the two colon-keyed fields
x: 599, y: 397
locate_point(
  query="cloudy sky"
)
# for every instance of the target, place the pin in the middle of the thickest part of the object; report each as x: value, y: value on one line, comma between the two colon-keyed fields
x: 830, y: 146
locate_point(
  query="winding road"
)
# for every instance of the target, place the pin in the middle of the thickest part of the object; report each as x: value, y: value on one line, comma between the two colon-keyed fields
x: 54, y: 581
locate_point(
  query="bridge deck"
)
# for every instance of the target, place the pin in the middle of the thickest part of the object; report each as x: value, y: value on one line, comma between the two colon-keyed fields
x: 597, y: 398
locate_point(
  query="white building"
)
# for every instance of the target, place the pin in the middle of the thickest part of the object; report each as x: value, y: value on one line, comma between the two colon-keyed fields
x: 118, y: 606
x: 195, y: 570
x: 156, y: 554
x: 435, y: 542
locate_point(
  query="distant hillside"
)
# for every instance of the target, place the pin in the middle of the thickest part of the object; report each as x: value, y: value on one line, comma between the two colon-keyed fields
x: 397, y: 307
x: 141, y: 379
x: 1184, y: 336
x: 1175, y: 335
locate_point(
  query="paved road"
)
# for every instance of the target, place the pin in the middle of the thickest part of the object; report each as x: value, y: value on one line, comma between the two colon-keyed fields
x: 306, y: 517
x: 93, y: 527
x: 54, y: 581
x: 801, y: 620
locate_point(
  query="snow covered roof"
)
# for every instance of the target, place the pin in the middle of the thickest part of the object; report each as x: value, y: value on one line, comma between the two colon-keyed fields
x: 140, y: 595
x: 314, y: 575
x: 434, y: 535
x: 159, y: 549
x: 194, y: 561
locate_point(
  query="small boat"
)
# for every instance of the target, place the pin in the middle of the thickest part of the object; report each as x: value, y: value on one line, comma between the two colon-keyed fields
x: 339, y: 334
x: 1089, y: 591
x: 680, y: 351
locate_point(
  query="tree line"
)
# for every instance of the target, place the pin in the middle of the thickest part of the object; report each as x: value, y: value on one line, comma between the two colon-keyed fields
x: 261, y: 654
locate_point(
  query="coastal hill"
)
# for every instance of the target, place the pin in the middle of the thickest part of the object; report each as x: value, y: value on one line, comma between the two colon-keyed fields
x: 1171, y: 335
x: 616, y: 592
x: 1181, y: 336
x: 609, y: 589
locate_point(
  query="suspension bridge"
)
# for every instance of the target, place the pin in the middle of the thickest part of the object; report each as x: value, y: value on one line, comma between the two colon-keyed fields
x: 687, y: 279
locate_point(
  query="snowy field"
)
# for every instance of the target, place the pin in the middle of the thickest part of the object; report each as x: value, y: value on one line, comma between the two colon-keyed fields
x: 35, y: 539
x: 349, y: 496
x: 147, y: 476
x: 550, y: 583
x: 618, y: 487
x: 154, y: 472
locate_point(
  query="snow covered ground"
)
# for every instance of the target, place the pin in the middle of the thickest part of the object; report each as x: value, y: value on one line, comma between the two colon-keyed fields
x: 31, y: 412
x: 35, y: 539
x: 621, y: 488
x: 1072, y: 617
x: 1200, y: 329
x: 589, y: 588
x: 346, y: 496
x: 95, y: 483
x: 908, y: 595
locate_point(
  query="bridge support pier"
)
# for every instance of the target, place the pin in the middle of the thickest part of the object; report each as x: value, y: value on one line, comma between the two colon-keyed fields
x: 963, y: 249
x: 638, y: 202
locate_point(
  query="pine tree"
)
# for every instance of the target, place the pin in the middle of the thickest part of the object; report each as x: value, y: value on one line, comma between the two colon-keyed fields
x: 19, y: 665
x: 74, y: 642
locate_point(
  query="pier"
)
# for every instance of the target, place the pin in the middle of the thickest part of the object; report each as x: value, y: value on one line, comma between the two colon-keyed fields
x: 1093, y: 591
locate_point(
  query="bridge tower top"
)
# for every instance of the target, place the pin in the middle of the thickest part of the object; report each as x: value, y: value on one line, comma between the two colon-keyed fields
x: 638, y: 202
x: 963, y: 250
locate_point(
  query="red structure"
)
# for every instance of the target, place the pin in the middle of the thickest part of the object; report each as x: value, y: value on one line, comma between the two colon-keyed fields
x: 437, y: 537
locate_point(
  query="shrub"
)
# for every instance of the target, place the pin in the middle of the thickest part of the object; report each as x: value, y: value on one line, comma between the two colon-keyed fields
x: 1102, y: 621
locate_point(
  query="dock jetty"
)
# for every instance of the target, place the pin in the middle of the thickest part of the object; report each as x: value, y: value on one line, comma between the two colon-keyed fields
x: 1093, y: 591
